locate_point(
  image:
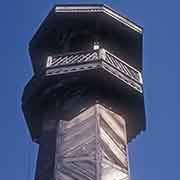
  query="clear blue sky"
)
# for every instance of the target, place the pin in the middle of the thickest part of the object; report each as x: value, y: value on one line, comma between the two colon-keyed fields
x: 155, y: 153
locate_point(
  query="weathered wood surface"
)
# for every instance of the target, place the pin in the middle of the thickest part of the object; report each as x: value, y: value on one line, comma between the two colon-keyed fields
x: 91, y: 146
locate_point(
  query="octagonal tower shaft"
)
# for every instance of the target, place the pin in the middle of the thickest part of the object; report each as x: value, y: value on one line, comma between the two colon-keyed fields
x: 85, y: 100
x: 92, y: 145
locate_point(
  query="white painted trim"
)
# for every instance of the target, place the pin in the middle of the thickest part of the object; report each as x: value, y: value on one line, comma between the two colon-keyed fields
x: 49, y: 61
x: 123, y: 20
x: 85, y: 9
x: 140, y: 78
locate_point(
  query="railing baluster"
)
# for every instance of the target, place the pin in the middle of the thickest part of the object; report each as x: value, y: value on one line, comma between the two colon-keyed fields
x: 113, y: 61
x: 67, y: 60
x: 73, y: 59
x: 123, y: 67
x: 61, y: 60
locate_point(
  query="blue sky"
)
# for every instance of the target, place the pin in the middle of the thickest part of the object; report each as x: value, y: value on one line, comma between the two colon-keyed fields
x: 155, y: 153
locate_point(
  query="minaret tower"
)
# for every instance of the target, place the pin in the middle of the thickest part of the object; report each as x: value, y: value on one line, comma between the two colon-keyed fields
x: 84, y: 102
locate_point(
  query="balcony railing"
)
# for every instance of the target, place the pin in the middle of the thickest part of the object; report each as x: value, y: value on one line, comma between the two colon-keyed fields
x: 86, y: 60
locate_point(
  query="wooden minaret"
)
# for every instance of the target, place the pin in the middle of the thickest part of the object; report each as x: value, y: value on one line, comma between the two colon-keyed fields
x: 84, y: 102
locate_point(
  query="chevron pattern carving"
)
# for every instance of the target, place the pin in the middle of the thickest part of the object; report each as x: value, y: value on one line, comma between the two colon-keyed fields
x: 92, y: 146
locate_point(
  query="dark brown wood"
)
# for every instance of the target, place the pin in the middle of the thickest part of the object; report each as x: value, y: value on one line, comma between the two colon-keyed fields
x: 46, y: 155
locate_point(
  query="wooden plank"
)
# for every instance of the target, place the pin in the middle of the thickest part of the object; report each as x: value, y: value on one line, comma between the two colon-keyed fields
x: 92, y: 146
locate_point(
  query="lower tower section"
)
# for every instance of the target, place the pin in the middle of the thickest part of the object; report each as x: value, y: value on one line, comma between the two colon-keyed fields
x: 91, y: 146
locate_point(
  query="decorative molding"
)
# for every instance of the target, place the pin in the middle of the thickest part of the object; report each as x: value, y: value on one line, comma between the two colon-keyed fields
x: 83, y: 61
x: 94, y: 9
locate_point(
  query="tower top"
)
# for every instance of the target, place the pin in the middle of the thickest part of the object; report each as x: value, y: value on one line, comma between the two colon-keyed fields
x: 73, y: 27
x: 86, y: 51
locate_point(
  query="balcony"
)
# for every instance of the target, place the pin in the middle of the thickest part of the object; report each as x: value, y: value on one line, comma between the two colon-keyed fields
x: 88, y: 60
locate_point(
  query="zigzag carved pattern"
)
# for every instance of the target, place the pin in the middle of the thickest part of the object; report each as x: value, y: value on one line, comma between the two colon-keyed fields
x: 77, y: 147
x: 76, y: 157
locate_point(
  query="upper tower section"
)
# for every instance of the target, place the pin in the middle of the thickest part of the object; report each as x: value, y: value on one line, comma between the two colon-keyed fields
x: 73, y: 28
x: 83, y: 55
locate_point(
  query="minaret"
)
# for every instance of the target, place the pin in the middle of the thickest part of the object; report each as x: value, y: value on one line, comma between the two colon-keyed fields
x: 84, y: 102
